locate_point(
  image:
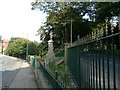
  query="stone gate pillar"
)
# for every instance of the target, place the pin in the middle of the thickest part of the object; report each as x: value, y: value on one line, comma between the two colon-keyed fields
x: 50, y: 55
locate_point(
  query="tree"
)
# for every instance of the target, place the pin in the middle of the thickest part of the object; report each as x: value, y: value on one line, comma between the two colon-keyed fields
x: 59, y: 19
x: 18, y: 47
x: 60, y: 15
x: 33, y: 48
x: 107, y: 9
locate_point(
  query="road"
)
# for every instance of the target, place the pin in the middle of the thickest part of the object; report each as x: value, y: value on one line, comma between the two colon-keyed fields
x: 8, y: 69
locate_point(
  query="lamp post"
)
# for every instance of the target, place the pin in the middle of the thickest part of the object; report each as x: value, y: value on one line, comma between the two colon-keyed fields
x: 27, y: 49
x: 71, y: 32
x: 119, y: 21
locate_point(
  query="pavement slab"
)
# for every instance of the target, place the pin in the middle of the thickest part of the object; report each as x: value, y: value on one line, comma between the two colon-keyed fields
x: 25, y: 78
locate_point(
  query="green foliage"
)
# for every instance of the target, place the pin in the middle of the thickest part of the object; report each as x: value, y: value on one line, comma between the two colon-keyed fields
x: 32, y: 48
x: 18, y: 46
x: 60, y: 15
x: 63, y: 75
x: 42, y: 49
x: 107, y: 9
x: 59, y: 19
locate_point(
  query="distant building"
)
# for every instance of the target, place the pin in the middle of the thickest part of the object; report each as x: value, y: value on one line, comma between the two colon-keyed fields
x: 0, y: 44
x: 3, y: 45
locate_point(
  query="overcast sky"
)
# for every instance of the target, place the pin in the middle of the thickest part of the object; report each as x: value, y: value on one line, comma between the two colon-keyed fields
x: 18, y: 20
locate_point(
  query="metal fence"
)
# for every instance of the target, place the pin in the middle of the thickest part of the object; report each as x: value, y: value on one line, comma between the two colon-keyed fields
x: 52, y: 80
x: 94, y: 60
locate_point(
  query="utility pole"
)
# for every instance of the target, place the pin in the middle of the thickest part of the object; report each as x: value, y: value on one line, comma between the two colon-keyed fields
x: 71, y: 32
x: 27, y: 49
x: 119, y: 21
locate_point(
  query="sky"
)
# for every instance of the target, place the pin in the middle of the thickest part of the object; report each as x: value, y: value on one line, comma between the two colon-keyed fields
x: 18, y: 20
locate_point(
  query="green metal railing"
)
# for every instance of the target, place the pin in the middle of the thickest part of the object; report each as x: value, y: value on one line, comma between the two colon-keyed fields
x: 32, y: 61
x: 94, y: 62
x: 52, y: 80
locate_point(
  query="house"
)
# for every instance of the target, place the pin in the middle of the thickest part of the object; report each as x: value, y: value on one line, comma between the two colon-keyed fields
x: 3, y: 45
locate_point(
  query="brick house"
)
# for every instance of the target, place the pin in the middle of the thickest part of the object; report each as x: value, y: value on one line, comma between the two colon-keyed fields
x: 3, y: 45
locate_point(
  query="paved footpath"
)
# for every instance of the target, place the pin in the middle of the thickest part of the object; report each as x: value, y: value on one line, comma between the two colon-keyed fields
x: 25, y: 78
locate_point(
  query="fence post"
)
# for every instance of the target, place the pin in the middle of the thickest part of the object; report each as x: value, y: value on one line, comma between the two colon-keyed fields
x: 66, y: 53
x: 37, y: 66
x: 79, y: 69
x: 56, y: 76
x: 78, y: 39
x: 65, y: 62
x: 119, y: 22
